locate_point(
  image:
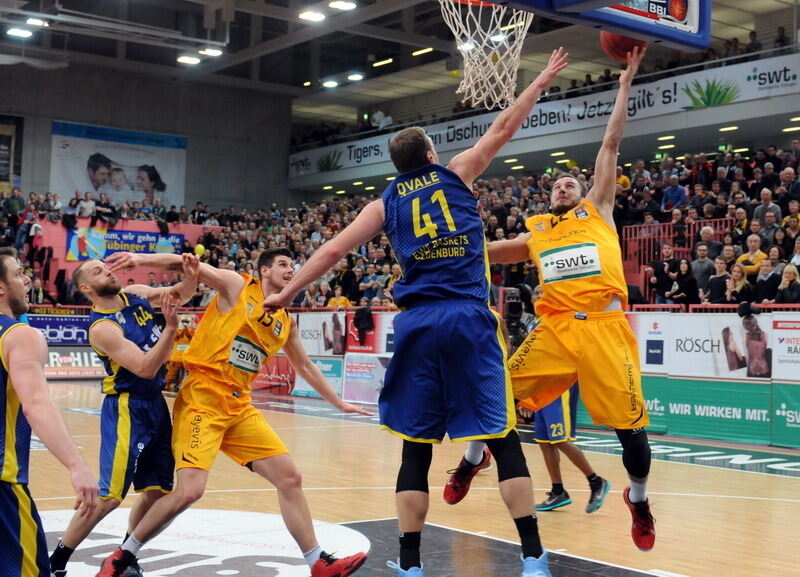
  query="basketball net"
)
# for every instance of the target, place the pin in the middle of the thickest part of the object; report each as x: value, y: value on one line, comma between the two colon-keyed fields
x: 489, y: 38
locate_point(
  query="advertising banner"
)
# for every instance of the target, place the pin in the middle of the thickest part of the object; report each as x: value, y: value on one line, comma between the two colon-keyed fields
x: 786, y: 346
x: 276, y: 376
x: 322, y: 333
x: 73, y: 363
x: 379, y: 339
x: 128, y: 166
x: 11, y: 129
x: 62, y: 329
x: 651, y: 334
x: 85, y: 243
x: 785, y: 414
x: 332, y: 369
x: 698, y: 89
x: 363, y: 377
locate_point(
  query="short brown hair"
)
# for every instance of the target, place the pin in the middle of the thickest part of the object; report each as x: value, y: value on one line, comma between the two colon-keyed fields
x: 6, y: 251
x: 409, y: 149
x: 581, y: 184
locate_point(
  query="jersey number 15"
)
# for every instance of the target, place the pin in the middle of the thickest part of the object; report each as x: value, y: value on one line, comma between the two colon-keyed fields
x: 423, y: 223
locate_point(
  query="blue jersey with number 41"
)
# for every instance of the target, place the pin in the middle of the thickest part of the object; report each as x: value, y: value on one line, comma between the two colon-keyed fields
x: 433, y: 225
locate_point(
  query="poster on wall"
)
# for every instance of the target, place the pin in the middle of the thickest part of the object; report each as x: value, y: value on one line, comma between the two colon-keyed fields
x: 379, y: 339
x: 85, y: 243
x: 331, y: 368
x: 126, y: 165
x: 11, y: 128
x: 786, y: 346
x: 322, y: 333
x: 363, y: 377
x: 651, y: 334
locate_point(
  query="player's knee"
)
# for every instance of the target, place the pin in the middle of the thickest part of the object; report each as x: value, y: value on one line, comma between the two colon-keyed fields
x: 188, y: 495
x: 413, y: 474
x: 508, y: 455
x: 289, y: 480
x: 636, y: 455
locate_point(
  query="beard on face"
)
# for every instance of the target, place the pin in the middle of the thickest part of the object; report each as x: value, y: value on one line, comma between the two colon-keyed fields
x: 109, y: 290
x: 18, y: 306
x: 563, y: 208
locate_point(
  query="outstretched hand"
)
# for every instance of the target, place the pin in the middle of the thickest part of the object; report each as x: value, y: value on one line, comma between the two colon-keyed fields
x: 275, y: 302
x: 634, y: 59
x: 121, y: 261
x: 348, y: 408
x: 557, y: 63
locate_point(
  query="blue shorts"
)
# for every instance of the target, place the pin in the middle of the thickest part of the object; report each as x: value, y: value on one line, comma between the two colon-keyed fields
x: 556, y: 422
x: 135, y: 446
x: 447, y: 375
x: 23, y: 547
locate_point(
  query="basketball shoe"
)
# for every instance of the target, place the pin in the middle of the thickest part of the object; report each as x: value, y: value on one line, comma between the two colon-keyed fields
x: 412, y: 572
x: 536, y: 566
x: 116, y: 564
x: 329, y: 566
x: 554, y: 501
x: 598, y: 496
x: 643, y: 529
x: 458, y: 485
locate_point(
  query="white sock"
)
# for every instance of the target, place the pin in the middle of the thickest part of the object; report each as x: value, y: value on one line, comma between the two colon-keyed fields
x: 312, y: 555
x: 474, y: 452
x: 638, y: 492
x: 132, y: 544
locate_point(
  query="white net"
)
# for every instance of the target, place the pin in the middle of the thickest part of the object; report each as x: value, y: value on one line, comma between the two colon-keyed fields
x: 489, y: 38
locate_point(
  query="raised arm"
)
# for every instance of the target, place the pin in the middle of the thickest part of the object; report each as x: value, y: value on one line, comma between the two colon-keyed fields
x: 509, y: 251
x: 107, y: 337
x: 25, y: 354
x: 472, y: 162
x: 183, y: 291
x: 605, y: 167
x: 365, y: 227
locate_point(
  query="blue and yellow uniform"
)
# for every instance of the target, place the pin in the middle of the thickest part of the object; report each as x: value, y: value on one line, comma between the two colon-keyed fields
x: 447, y: 374
x: 555, y: 423
x: 135, y: 427
x: 23, y: 548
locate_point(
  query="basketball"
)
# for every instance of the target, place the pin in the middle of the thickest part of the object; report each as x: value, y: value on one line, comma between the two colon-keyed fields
x: 677, y: 9
x: 616, y: 46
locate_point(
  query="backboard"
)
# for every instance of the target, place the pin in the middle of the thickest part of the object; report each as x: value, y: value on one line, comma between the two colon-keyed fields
x: 682, y: 24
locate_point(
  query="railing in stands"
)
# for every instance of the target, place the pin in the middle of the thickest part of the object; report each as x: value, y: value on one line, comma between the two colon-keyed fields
x: 658, y: 308
x: 713, y: 308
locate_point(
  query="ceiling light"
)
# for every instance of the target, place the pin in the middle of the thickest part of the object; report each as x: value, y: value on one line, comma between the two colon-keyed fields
x: 517, y: 167
x: 210, y: 52
x: 466, y: 46
x: 36, y: 22
x: 188, y: 59
x: 668, y: 137
x: 355, y: 77
x: 666, y: 146
x: 510, y: 160
x: 369, y: 188
x: 728, y: 128
x: 312, y: 16
x: 382, y: 62
x: 327, y: 187
x: 422, y: 51
x: 390, y: 178
x: 745, y: 149
x: 557, y: 153
x: 330, y: 84
x: 791, y: 129
x: 497, y: 37
x: 307, y: 83
x: 358, y: 183
x: 342, y: 191
x: 19, y: 32
x: 510, y: 26
x: 795, y: 119
x: 563, y: 161
x: 343, y: 5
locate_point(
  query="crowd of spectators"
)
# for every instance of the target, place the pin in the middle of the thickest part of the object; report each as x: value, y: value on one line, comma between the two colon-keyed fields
x: 761, y: 196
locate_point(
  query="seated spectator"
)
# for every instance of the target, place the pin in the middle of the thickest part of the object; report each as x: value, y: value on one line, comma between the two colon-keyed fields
x: 684, y: 290
x: 37, y: 295
x: 717, y: 284
x: 338, y: 300
x: 737, y: 289
x: 311, y: 297
x: 766, y: 283
x: 769, y: 228
x: 789, y: 288
x: 775, y: 254
x: 707, y: 237
x: 702, y: 267
x: 727, y: 240
x: 325, y: 293
x: 766, y: 206
x: 751, y: 260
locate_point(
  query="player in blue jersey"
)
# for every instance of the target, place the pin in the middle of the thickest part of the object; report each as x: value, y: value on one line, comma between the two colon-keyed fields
x: 448, y: 372
x: 25, y: 404
x: 135, y: 426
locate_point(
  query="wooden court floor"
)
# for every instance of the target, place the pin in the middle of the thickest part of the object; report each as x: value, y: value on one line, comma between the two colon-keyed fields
x: 710, y: 521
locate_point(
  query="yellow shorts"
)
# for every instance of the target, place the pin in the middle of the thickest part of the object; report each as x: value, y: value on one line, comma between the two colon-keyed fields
x: 599, y: 352
x: 207, y: 419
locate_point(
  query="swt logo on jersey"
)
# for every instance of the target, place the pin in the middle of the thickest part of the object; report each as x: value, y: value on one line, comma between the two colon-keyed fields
x: 570, y: 262
x: 246, y: 355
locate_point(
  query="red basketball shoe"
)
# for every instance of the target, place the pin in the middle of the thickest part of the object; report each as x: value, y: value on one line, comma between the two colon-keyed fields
x: 330, y: 566
x: 461, y: 478
x: 643, y: 529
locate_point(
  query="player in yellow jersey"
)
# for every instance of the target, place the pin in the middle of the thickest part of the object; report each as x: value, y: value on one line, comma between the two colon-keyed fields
x: 583, y: 334
x: 175, y: 368
x: 213, y: 411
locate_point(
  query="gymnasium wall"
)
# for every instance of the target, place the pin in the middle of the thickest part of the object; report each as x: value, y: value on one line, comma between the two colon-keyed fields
x: 238, y: 139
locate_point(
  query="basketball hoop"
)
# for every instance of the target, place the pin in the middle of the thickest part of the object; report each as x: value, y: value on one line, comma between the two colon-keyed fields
x: 489, y: 38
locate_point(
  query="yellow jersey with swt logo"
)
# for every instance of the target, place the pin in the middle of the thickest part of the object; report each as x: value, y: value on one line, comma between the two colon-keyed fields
x: 579, y: 261
x: 231, y: 348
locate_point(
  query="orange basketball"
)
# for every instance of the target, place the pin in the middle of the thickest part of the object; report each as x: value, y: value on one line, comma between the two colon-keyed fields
x: 677, y: 9
x: 617, y: 46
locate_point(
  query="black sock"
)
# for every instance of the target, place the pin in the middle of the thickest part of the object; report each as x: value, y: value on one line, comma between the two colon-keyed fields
x: 409, y: 550
x: 59, y: 558
x: 557, y: 489
x: 595, y: 482
x: 126, y: 538
x: 528, y: 529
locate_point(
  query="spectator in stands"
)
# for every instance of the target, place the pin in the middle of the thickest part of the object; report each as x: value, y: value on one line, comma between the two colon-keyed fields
x: 663, y: 274
x: 717, y: 284
x: 737, y: 289
x: 356, y: 293
x: 310, y: 297
x: 766, y: 285
x: 678, y: 228
x: 623, y: 180
x: 338, y: 300
x: 776, y: 255
x: 792, y: 186
x: 754, y: 45
x: 674, y: 195
x: 87, y: 206
x: 766, y: 206
x: 684, y: 289
x: 199, y: 214
x: 702, y: 171
x: 702, y: 266
x: 369, y: 285
x: 38, y: 295
x: 769, y: 229
x: 789, y: 288
x: 751, y: 260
